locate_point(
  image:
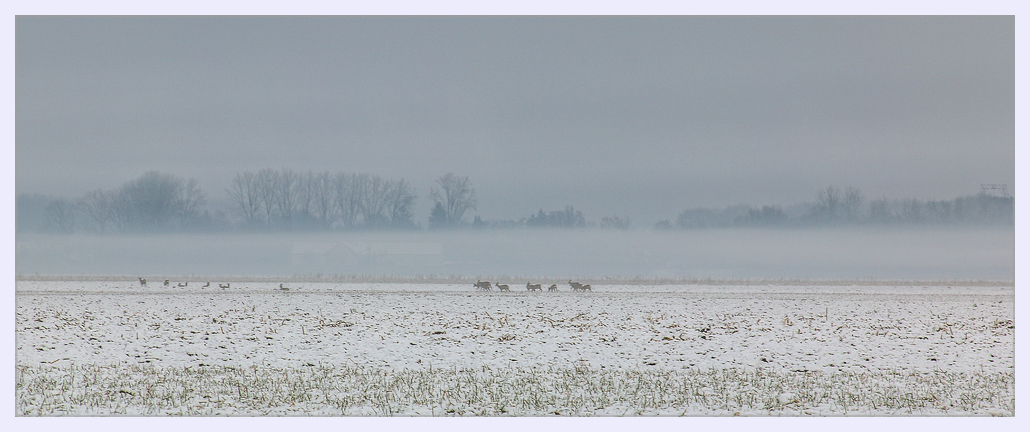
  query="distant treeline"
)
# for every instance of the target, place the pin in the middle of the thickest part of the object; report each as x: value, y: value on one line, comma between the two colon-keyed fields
x: 849, y: 207
x: 286, y: 200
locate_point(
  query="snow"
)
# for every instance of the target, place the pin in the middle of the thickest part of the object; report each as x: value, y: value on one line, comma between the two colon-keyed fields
x: 413, y: 326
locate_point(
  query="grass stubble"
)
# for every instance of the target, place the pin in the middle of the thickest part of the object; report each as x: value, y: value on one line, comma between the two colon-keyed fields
x: 121, y: 389
x: 327, y: 390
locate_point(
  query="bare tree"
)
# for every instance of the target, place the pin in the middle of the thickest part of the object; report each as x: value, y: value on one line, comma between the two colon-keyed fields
x: 400, y: 200
x: 880, y: 210
x: 245, y: 193
x: 568, y: 218
x: 152, y: 200
x: 912, y: 210
x: 828, y: 202
x: 374, y: 194
x: 191, y: 198
x: 99, y: 207
x: 122, y: 214
x: 60, y: 216
x: 615, y: 222
x: 346, y: 199
x: 853, y: 199
x: 456, y: 196
x: 304, y: 190
x: 320, y: 197
x: 266, y: 180
x: 286, y: 195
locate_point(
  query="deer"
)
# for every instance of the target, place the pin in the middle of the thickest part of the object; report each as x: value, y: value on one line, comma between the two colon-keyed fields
x: 576, y: 286
x: 281, y: 287
x: 502, y: 287
x: 206, y: 285
x: 223, y: 286
x: 552, y: 288
x: 142, y: 282
x: 582, y: 288
x: 182, y: 284
x: 533, y: 287
x: 482, y: 285
x: 166, y: 282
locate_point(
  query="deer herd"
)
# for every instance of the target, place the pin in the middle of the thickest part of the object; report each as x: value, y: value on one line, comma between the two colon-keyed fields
x: 479, y: 285
x: 486, y: 286
x: 168, y: 283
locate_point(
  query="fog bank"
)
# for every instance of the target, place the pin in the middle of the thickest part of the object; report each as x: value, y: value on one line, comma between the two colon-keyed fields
x: 913, y: 253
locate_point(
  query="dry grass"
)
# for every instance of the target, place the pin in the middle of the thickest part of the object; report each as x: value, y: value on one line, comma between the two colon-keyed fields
x: 580, y: 391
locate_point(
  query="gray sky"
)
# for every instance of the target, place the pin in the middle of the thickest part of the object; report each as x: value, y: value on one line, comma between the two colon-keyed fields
x: 638, y: 116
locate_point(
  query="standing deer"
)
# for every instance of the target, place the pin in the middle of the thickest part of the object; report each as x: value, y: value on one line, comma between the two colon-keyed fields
x: 482, y: 285
x: 142, y: 282
x: 502, y: 287
x: 533, y: 287
x: 166, y: 282
x: 552, y: 288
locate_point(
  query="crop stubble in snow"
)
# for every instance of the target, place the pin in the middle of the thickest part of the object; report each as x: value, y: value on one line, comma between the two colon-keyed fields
x: 396, y: 329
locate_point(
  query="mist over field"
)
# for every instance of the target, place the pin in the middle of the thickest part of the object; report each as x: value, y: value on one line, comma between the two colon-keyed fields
x: 829, y: 147
x: 732, y: 215
x: 969, y: 253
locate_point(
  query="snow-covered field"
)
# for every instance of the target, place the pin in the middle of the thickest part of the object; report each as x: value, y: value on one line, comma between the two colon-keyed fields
x: 883, y: 333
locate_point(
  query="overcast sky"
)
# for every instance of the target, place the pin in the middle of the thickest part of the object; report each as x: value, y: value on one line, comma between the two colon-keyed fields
x: 637, y: 116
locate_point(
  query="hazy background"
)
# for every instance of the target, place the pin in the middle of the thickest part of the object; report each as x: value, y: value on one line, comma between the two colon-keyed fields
x: 911, y: 253
x: 630, y: 116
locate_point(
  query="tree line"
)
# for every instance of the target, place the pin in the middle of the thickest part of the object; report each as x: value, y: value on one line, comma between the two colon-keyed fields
x: 835, y: 207
x: 152, y: 202
x: 287, y: 200
x: 266, y: 200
